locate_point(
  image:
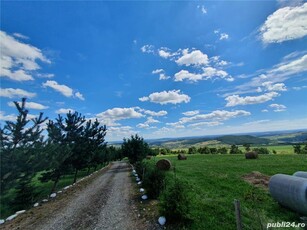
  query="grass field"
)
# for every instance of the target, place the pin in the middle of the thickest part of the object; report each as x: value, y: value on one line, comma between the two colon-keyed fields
x: 216, y: 180
x: 280, y: 149
x: 41, y: 189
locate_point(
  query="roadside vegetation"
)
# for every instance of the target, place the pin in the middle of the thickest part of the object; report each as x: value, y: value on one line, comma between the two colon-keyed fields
x: 40, y: 156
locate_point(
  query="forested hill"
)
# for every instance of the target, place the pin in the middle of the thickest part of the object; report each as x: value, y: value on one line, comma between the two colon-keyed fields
x: 242, y: 139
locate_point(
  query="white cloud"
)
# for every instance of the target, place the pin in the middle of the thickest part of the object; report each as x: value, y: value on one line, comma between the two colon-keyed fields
x: 167, y: 97
x: 215, y: 115
x: 195, y: 57
x: 30, y: 105
x: 3, y: 117
x: 284, y: 3
x: 299, y: 87
x: 18, y: 59
x: 147, y: 49
x: 153, y: 113
x: 285, y: 24
x: 224, y: 36
x: 116, y: 114
x: 16, y: 93
x: 79, y: 95
x: 191, y: 113
x: 256, y: 122
x: 278, y: 107
x: 64, y: 111
x: 157, y: 71
x: 63, y: 89
x: 274, y: 87
x: 45, y: 75
x: 205, y: 123
x: 164, y: 53
x: 207, y: 73
x: 146, y: 124
x: 202, y: 8
x: 18, y: 35
x: 264, y: 110
x: 162, y: 75
x: 248, y: 100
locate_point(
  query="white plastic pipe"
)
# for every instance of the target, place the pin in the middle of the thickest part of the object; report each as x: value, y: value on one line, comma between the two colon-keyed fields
x: 290, y: 191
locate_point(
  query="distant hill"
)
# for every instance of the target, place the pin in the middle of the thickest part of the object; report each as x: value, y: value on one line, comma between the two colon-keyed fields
x: 242, y: 139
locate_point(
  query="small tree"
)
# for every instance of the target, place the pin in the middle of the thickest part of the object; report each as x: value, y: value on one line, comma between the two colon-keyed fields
x: 192, y: 150
x: 135, y: 148
x: 235, y: 150
x: 21, y: 153
x: 247, y: 147
x: 222, y: 150
x: 297, y: 148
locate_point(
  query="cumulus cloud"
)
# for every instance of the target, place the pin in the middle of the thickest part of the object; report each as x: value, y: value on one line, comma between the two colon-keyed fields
x: 79, y: 95
x: 191, y: 113
x: 30, y: 105
x: 3, y: 117
x: 202, y: 9
x: 162, y: 75
x: 285, y: 24
x: 195, y: 57
x: 147, y: 49
x: 167, y: 97
x: 63, y: 89
x: 207, y: 73
x: 19, y: 35
x: 248, y: 100
x: 146, y: 124
x: 224, y: 36
x: 278, y: 107
x: 16, y: 93
x: 64, y: 111
x: 255, y: 122
x: 153, y: 113
x: 269, y: 86
x: 110, y: 116
x: 45, y: 75
x: 220, y: 115
x: 18, y: 59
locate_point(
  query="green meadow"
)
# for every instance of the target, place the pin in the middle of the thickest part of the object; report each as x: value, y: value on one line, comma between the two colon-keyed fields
x: 215, y: 181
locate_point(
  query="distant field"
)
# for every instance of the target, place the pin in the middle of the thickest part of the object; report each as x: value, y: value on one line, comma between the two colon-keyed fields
x: 216, y: 180
x: 280, y: 149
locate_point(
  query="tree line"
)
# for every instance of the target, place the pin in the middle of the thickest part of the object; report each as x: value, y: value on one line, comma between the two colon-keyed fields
x: 53, y: 148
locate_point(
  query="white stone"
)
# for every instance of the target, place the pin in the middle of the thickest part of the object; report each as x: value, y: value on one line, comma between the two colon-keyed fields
x: 45, y: 200
x: 137, y: 179
x: 140, y: 182
x: 11, y: 217
x: 162, y: 220
x: 20, y: 212
x: 67, y: 187
x: 36, y: 204
x: 136, y: 175
x: 144, y: 197
x: 142, y: 190
x: 60, y: 191
x: 133, y: 171
x: 2, y: 221
x: 53, y: 195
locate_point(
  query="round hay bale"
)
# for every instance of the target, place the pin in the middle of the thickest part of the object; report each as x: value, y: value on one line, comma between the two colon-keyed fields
x: 164, y: 164
x: 251, y: 155
x: 181, y: 156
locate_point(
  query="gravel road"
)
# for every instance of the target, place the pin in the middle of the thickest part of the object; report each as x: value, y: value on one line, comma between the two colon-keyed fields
x: 102, y: 202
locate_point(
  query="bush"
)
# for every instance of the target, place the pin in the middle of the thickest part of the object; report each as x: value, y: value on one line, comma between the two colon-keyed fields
x: 175, y: 203
x: 261, y: 150
x: 153, y: 181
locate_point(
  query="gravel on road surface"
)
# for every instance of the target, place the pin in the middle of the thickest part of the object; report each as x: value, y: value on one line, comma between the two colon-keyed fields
x: 101, y: 202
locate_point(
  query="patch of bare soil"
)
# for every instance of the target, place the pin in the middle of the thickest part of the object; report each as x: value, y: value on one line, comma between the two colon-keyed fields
x: 257, y: 179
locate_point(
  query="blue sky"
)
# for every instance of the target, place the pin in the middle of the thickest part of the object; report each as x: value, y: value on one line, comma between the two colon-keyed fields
x: 160, y: 69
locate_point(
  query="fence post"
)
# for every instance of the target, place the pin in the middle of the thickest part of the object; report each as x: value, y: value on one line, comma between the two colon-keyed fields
x: 238, y: 214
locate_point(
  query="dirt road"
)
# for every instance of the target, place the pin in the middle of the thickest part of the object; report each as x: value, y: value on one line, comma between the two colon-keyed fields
x: 101, y: 202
